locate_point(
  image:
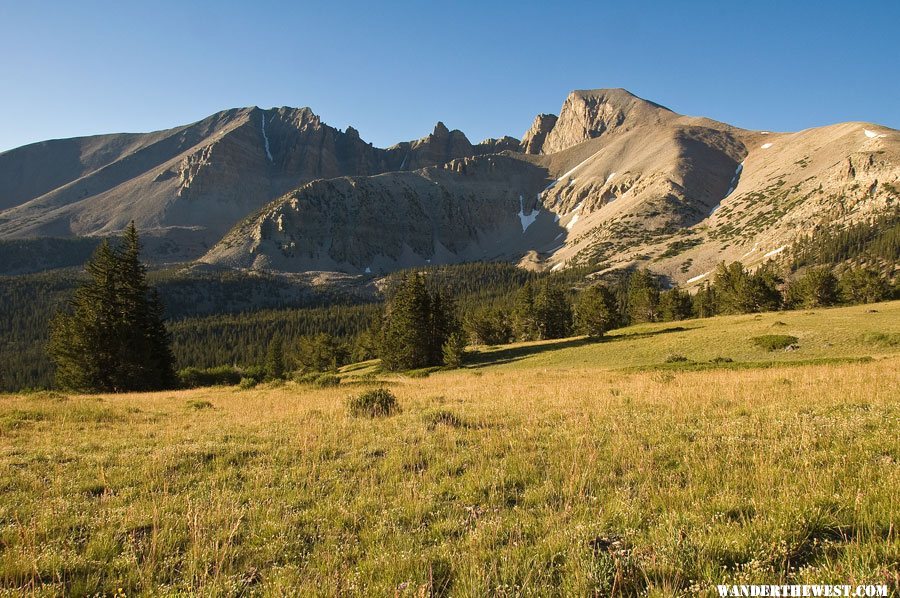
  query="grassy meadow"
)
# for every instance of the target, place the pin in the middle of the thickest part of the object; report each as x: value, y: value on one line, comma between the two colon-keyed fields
x: 661, y: 460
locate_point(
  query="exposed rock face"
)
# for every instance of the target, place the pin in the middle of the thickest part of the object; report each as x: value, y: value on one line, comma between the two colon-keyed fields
x: 446, y: 214
x: 194, y: 181
x: 533, y: 139
x: 495, y: 146
x: 589, y: 114
x: 615, y: 180
x: 441, y: 146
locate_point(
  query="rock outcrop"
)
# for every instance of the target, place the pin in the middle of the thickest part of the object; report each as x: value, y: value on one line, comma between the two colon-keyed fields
x: 533, y: 139
x: 589, y: 114
x: 615, y: 181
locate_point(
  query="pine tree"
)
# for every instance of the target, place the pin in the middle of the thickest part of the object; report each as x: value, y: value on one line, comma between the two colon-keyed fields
x: 675, y: 304
x: 524, y: 320
x: 739, y: 292
x: 490, y: 327
x: 704, y: 302
x: 595, y: 311
x: 407, y: 327
x: 863, y: 285
x: 113, y: 337
x: 275, y: 368
x: 818, y: 287
x: 454, y: 349
x: 552, y: 312
x: 643, y: 297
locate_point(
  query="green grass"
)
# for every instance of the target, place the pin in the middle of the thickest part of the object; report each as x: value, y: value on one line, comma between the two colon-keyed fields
x: 562, y: 468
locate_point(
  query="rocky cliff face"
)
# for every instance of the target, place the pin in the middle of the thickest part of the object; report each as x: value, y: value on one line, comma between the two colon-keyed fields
x: 465, y: 209
x: 589, y: 114
x: 533, y: 139
x: 189, y: 185
x: 615, y: 181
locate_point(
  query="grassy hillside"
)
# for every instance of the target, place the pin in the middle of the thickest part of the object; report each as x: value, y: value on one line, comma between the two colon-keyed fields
x: 561, y: 468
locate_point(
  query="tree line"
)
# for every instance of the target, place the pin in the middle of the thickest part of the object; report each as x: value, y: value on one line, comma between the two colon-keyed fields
x: 112, y: 336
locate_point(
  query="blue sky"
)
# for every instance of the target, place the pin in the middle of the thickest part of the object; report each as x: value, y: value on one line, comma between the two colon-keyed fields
x: 392, y: 69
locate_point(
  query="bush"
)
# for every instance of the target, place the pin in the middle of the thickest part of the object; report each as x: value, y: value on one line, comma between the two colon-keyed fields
x: 306, y: 377
x: 675, y: 358
x: 327, y: 381
x: 254, y: 372
x: 247, y: 383
x: 773, y: 342
x: 442, y: 417
x: 218, y: 376
x: 379, y: 402
x: 199, y: 405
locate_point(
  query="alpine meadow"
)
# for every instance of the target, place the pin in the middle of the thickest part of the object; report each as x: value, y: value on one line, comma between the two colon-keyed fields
x: 633, y: 351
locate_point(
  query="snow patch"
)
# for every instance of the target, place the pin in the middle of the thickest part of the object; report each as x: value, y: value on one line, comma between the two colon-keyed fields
x: 368, y: 270
x: 557, y: 266
x: 403, y: 164
x: 696, y: 278
x: 569, y: 173
x: 734, y: 182
x: 765, y: 146
x: 572, y: 222
x: 873, y: 134
x: 558, y: 236
x: 776, y: 251
x: 530, y: 218
x: 265, y: 137
x: 609, y: 178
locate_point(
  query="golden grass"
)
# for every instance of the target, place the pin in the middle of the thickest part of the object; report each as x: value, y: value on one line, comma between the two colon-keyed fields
x: 544, y: 475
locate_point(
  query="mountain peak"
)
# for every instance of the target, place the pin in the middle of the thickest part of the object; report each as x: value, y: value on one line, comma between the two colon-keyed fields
x: 589, y: 113
x: 440, y: 130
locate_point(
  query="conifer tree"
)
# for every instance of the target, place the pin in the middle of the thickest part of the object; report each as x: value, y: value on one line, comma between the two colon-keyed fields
x: 595, y: 311
x: 643, y: 297
x: 863, y: 285
x: 415, y: 326
x: 552, y: 311
x: 113, y: 337
x: 275, y: 367
x: 524, y: 319
x: 675, y: 304
x: 454, y: 349
x: 704, y: 302
x: 818, y: 287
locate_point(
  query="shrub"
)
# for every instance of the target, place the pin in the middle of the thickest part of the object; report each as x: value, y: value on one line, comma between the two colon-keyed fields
x: 421, y: 372
x: 199, y: 405
x: 306, y: 377
x: 247, y: 383
x: 327, y: 381
x: 773, y: 342
x: 378, y: 402
x: 443, y: 417
x: 254, y: 372
x: 218, y: 376
x: 675, y: 358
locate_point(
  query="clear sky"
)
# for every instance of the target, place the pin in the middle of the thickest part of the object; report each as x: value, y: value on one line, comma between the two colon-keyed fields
x: 392, y: 69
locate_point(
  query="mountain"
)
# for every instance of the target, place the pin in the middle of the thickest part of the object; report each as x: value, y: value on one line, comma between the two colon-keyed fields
x: 613, y: 181
x: 185, y: 187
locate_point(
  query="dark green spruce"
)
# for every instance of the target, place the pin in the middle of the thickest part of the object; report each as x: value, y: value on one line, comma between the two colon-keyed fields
x: 112, y: 338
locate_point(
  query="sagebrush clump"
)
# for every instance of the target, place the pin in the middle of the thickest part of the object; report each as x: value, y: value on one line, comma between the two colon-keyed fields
x: 379, y: 402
